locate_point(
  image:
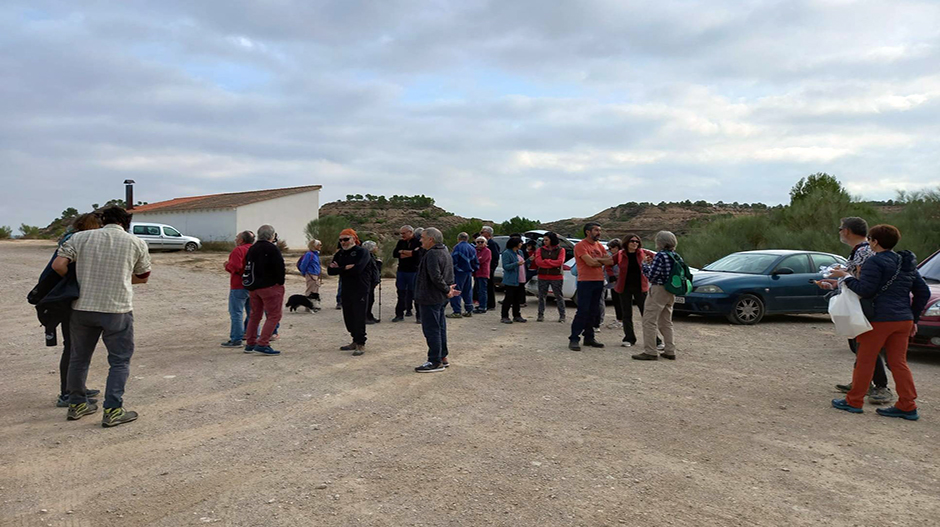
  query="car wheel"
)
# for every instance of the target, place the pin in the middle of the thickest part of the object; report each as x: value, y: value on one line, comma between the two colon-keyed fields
x: 747, y: 310
x: 191, y: 247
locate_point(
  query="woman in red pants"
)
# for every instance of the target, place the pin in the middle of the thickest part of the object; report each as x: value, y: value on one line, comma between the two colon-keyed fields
x: 888, y: 279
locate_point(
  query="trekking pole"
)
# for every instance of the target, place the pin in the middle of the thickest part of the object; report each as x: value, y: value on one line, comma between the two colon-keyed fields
x: 380, y: 298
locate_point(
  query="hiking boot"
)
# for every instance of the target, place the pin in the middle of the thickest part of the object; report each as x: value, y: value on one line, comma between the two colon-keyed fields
x: 541, y: 318
x: 117, y: 416
x: 894, y: 412
x: 519, y: 319
x: 232, y: 344
x: 360, y: 349
x: 593, y: 344
x: 468, y: 314
x: 667, y: 356
x: 505, y: 320
x: 398, y: 319
x: 455, y: 315
x: 644, y: 356
x: 574, y: 345
x: 267, y: 350
x: 430, y: 367
x: 445, y: 362
x: 76, y: 411
x: 841, y: 404
x: 880, y: 395
x: 63, y: 400
x: 348, y: 347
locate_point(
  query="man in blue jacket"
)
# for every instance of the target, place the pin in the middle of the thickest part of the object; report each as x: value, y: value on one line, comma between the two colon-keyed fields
x: 465, y: 264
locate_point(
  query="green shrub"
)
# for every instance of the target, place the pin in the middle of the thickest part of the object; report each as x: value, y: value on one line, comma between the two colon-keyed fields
x: 5, y: 232
x: 326, y: 229
x: 469, y: 227
x: 30, y: 231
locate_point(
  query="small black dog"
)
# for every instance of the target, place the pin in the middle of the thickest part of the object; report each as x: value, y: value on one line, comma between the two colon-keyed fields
x: 296, y: 301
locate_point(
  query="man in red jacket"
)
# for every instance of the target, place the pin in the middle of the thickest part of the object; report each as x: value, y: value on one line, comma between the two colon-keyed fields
x: 238, y: 295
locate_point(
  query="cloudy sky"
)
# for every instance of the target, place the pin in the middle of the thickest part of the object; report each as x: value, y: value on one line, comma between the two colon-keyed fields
x: 494, y: 108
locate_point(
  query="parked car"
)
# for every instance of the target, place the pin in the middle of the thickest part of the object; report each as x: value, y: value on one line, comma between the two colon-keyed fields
x: 928, y: 329
x: 160, y: 237
x: 747, y: 285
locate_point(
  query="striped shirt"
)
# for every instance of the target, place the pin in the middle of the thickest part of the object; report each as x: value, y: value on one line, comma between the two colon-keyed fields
x: 105, y: 259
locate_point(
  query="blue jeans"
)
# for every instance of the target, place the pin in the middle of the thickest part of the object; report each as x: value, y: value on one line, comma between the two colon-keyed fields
x: 405, y: 284
x: 464, y: 283
x: 434, y: 325
x: 589, y: 310
x: 117, y: 331
x: 238, y: 311
x: 482, y: 286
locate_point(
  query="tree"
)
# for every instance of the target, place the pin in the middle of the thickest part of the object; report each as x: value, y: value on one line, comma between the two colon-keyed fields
x: 469, y: 227
x: 70, y: 212
x: 518, y: 224
x: 29, y: 231
x: 5, y: 232
x: 326, y: 229
x: 818, y: 182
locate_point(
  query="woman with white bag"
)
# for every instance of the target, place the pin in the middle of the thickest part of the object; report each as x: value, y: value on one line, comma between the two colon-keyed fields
x: 887, y: 281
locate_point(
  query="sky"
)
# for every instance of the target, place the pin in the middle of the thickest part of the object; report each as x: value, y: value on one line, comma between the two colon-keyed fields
x: 547, y: 110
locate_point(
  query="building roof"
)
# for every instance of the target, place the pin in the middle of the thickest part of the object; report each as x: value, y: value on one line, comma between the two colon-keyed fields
x: 229, y: 200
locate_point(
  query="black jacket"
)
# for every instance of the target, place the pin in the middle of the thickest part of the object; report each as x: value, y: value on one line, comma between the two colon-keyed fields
x: 358, y: 280
x: 494, y: 248
x: 435, y: 276
x: 264, y: 266
x: 53, y: 296
x: 893, y: 304
x: 409, y: 264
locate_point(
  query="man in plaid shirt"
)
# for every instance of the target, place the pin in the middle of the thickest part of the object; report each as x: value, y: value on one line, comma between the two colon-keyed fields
x: 107, y: 262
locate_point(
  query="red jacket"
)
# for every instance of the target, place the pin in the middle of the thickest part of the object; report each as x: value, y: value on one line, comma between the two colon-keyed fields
x: 485, y: 256
x: 620, y: 260
x: 236, y: 265
x: 557, y: 263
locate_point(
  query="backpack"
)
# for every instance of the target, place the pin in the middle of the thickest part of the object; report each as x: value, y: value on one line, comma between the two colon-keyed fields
x: 300, y: 262
x: 248, y: 277
x: 680, y: 278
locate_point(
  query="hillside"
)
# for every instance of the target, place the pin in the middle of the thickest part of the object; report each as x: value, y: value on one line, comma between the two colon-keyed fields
x: 386, y: 219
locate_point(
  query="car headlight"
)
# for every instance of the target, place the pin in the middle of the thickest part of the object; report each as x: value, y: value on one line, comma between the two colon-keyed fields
x: 708, y: 289
x: 933, y: 310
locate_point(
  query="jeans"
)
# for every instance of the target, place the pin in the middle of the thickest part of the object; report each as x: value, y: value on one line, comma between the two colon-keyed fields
x: 237, y: 306
x: 405, y: 284
x: 434, y: 326
x: 556, y: 287
x: 481, y: 285
x: 464, y: 283
x: 117, y: 331
x: 588, y: 315
x: 266, y: 302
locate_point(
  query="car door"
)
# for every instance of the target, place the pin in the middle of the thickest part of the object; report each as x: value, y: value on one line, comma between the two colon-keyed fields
x: 794, y: 292
x: 172, y: 239
x: 822, y: 260
x: 149, y: 234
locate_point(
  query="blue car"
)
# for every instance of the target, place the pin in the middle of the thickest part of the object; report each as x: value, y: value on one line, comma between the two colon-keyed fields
x: 747, y: 285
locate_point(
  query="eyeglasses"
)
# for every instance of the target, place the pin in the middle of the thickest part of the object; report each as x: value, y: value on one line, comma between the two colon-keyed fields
x: 344, y: 239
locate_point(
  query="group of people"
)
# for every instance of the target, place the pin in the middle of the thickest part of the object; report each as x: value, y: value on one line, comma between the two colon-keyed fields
x: 87, y: 289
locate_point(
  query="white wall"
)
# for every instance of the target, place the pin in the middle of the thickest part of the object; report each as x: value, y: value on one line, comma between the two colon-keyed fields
x: 289, y: 216
x: 207, y: 225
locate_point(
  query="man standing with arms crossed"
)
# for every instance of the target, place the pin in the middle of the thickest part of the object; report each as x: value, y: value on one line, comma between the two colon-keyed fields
x: 107, y: 262
x: 590, y: 257
x: 408, y: 257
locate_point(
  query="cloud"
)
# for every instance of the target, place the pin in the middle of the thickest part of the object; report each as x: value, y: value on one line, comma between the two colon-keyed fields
x: 494, y: 108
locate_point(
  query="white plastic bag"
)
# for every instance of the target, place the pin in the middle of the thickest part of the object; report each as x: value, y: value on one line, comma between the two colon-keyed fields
x: 847, y: 315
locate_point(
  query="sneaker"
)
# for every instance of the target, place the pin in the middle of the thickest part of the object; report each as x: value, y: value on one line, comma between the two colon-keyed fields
x: 398, y: 319
x: 644, y: 356
x: 62, y: 401
x: 841, y: 404
x: 505, y: 320
x: 250, y: 348
x: 455, y: 315
x: 561, y: 320
x: 348, y: 347
x: 360, y: 349
x: 117, y: 416
x: 408, y: 313
x: 267, y: 350
x: 541, y: 318
x: 519, y: 319
x: 479, y: 311
x: 880, y: 395
x: 445, y: 362
x: 626, y: 344
x: 430, y: 367
x: 232, y: 344
x: 846, y: 388
x: 574, y: 345
x: 593, y: 344
x: 76, y: 411
x: 371, y: 321
x: 467, y: 314
x: 91, y: 393
x: 339, y: 306
x: 660, y: 346
x: 894, y: 412
x: 417, y: 320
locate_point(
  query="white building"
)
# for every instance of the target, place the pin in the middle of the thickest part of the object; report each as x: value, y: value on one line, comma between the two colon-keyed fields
x: 219, y: 217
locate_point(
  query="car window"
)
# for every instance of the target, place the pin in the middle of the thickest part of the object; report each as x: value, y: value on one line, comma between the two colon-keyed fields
x: 798, y: 262
x: 140, y: 229
x: 822, y: 260
x: 748, y: 263
x: 930, y: 269
x: 170, y: 231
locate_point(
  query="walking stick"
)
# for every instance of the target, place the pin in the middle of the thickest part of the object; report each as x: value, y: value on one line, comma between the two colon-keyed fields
x: 380, y: 298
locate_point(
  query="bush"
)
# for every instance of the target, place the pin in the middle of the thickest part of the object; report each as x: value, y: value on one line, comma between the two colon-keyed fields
x: 5, y: 232
x: 469, y: 227
x: 218, y: 247
x: 518, y: 224
x: 30, y: 231
x: 326, y: 229
x: 386, y: 248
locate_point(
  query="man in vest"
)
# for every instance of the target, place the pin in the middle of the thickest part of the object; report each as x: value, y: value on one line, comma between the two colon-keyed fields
x: 550, y: 259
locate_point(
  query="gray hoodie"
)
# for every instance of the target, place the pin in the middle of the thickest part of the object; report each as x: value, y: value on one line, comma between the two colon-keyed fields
x: 435, y: 276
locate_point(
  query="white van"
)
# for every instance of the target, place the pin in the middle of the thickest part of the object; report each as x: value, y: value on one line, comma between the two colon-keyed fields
x: 160, y: 237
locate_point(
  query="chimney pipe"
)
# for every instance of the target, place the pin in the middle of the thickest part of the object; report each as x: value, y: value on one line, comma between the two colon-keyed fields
x: 129, y: 194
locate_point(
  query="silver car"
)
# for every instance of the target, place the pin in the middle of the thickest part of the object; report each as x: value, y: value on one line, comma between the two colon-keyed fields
x: 160, y: 237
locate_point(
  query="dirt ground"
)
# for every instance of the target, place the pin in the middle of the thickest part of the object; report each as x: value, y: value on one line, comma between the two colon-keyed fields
x: 519, y: 431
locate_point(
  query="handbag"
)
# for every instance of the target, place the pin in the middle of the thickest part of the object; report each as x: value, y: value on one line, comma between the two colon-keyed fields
x: 868, y: 304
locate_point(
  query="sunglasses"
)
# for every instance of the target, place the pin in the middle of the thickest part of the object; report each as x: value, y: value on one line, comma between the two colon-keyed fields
x: 480, y: 243
x: 634, y: 241
x: 344, y: 239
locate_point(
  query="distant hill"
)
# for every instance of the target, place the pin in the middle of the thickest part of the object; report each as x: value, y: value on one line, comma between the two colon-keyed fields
x: 385, y: 219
